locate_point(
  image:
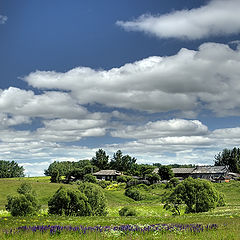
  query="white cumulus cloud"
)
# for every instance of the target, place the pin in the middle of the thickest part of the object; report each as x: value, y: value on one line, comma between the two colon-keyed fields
x: 189, y: 81
x: 218, y: 17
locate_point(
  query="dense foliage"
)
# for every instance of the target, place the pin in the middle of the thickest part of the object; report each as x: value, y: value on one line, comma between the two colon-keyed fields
x: 134, y: 193
x: 10, y: 169
x: 127, y: 211
x: 87, y: 200
x: 69, y: 170
x: 165, y: 172
x: 124, y: 163
x: 69, y: 202
x: 96, y: 198
x: 100, y: 160
x: 23, y: 204
x: 198, y: 196
x: 230, y: 158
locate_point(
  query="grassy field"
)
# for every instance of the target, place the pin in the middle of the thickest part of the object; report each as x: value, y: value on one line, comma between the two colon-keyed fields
x: 150, y: 212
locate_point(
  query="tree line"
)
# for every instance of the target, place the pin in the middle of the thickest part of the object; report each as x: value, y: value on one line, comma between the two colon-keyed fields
x: 123, y: 163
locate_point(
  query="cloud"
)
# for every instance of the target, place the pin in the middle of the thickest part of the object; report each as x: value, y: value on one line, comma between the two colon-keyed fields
x: 190, y: 81
x: 7, y: 121
x: 3, y: 19
x: 165, y: 128
x: 51, y: 104
x: 217, y: 18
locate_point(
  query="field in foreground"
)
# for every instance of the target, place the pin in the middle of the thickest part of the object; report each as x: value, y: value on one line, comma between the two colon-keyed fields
x: 222, y: 223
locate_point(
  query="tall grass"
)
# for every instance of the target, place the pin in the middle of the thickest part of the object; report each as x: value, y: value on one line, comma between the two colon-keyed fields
x: 150, y: 211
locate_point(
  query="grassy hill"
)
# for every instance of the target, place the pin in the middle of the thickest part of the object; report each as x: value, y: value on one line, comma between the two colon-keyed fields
x: 150, y: 211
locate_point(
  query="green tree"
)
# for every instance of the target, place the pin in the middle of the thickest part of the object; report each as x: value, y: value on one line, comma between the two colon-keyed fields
x: 59, y: 169
x: 152, y: 177
x: 165, y: 172
x: 96, y: 198
x: 69, y: 202
x: 100, y: 160
x: 230, y: 158
x: 23, y: 204
x: 89, y: 178
x: 196, y: 194
x: 124, y: 163
x: 10, y: 169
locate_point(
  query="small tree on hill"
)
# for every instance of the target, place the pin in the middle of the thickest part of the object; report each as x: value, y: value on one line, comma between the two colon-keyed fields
x: 23, y: 204
x: 88, y: 200
x: 96, y: 198
x: 69, y: 202
x: 197, y: 195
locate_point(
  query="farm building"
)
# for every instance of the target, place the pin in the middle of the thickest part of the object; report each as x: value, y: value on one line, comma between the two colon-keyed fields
x: 218, y: 173
x: 107, y: 175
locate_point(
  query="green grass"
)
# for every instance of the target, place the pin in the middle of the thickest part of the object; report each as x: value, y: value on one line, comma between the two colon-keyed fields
x: 150, y: 211
x: 44, y: 189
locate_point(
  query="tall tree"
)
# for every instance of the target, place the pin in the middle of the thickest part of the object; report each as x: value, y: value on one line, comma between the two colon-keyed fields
x: 165, y: 172
x: 122, y: 162
x: 100, y: 160
x: 230, y: 158
x: 10, y: 169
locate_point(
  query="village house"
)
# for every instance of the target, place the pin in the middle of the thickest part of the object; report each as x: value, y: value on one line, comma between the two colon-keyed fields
x: 213, y: 173
x: 217, y: 173
x: 109, y: 175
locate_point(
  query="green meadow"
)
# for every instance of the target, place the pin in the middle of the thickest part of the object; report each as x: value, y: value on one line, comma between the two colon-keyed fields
x: 150, y: 211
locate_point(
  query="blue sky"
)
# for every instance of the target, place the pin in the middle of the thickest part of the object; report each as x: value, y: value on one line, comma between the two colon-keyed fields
x: 157, y: 79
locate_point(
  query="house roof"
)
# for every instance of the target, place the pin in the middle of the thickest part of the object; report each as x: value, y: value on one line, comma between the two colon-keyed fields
x: 182, y: 170
x: 210, y: 169
x: 107, y: 173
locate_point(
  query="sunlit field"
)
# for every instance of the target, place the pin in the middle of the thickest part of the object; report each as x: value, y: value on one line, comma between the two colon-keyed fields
x: 151, y: 222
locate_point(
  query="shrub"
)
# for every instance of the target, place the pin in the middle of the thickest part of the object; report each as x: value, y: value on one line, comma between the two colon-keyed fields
x: 124, y: 178
x: 89, y: 178
x: 96, y: 198
x: 152, y: 177
x: 116, y: 186
x: 133, y: 193
x: 132, y: 182
x: 104, y: 183
x: 69, y: 202
x: 173, y: 182
x: 198, y: 196
x: 127, y: 211
x: 221, y: 201
x: 23, y: 204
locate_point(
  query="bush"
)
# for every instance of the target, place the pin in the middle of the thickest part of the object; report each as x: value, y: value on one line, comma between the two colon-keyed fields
x: 23, y: 204
x: 70, y: 203
x: 198, y: 196
x: 124, y: 178
x: 104, y: 183
x: 152, y: 177
x: 133, y: 193
x: 127, y: 211
x: 221, y: 201
x: 89, y: 178
x: 96, y: 198
x: 173, y: 182
x: 116, y: 186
